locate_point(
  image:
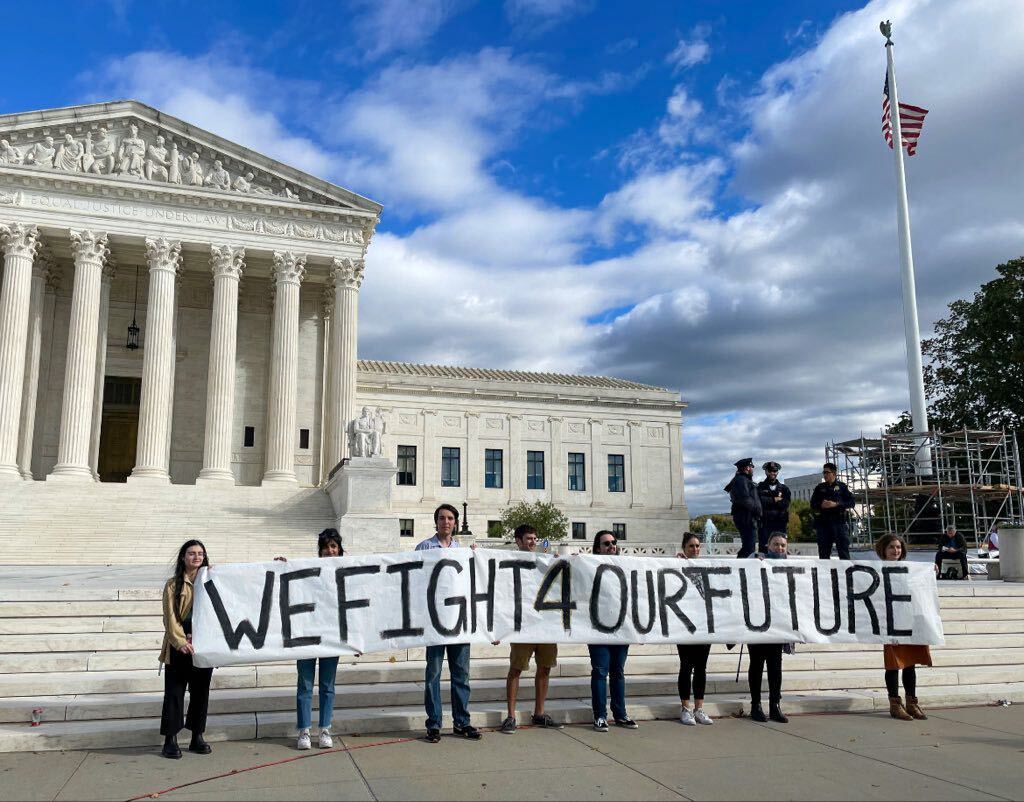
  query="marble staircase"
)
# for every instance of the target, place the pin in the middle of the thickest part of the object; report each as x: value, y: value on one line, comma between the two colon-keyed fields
x: 133, y: 524
x: 87, y: 656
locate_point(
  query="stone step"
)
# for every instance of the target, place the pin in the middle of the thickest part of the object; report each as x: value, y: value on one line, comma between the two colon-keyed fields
x: 114, y: 733
x: 71, y: 609
x: 81, y: 625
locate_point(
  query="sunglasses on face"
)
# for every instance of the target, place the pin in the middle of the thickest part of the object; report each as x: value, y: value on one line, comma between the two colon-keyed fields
x: 607, y: 543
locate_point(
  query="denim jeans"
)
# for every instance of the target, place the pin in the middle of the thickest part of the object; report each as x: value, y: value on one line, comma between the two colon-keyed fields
x: 304, y: 691
x: 458, y: 665
x: 608, y: 661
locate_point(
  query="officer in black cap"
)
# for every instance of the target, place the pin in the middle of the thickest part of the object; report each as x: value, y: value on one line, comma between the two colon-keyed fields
x: 746, y: 506
x: 774, y: 497
x: 829, y: 503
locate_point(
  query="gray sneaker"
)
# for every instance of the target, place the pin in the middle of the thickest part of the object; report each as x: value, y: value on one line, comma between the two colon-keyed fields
x: 546, y: 722
x: 601, y: 724
x: 686, y: 717
x: 702, y: 718
x: 508, y: 726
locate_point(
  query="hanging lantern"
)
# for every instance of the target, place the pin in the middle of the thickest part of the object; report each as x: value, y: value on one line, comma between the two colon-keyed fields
x: 133, y: 328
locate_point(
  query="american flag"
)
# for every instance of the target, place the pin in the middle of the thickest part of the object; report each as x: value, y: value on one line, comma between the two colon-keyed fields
x: 911, y: 121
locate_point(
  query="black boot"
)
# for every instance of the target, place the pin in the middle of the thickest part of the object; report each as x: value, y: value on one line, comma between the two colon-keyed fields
x: 757, y: 712
x: 171, y: 748
x: 775, y: 713
x: 198, y: 745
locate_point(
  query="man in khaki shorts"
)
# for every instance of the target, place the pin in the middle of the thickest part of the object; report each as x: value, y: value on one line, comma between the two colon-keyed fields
x: 544, y: 654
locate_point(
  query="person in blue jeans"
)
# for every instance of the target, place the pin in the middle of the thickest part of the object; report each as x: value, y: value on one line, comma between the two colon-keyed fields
x: 328, y: 545
x: 446, y: 520
x: 608, y: 663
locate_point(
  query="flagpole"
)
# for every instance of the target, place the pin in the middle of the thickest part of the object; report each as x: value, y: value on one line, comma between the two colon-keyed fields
x: 915, y: 371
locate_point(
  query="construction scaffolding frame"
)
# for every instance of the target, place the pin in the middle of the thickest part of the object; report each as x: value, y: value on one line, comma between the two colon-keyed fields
x: 972, y: 481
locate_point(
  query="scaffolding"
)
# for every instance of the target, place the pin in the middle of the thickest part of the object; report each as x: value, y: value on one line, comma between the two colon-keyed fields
x: 972, y: 481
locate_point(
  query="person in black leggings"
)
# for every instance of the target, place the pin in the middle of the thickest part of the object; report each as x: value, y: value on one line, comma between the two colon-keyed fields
x: 768, y: 654
x: 693, y: 659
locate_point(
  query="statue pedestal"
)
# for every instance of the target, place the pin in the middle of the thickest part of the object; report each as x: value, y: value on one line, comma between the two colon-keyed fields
x: 1011, y: 554
x: 360, y: 492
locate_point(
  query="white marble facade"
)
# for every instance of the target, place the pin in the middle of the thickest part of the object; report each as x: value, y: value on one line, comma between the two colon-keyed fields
x: 244, y: 275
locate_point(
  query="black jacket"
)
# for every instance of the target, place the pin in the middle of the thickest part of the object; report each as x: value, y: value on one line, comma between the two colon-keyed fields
x: 743, y: 495
x: 837, y: 491
x: 777, y: 511
x: 958, y: 542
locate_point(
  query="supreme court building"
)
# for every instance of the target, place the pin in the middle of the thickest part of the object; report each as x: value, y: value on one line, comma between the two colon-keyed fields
x: 178, y: 356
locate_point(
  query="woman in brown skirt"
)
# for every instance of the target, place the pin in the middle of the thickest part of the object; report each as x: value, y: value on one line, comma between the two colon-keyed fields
x: 902, y: 657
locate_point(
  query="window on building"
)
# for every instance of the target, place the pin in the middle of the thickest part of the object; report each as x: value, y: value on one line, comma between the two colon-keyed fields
x: 249, y: 438
x: 405, y: 527
x: 495, y: 529
x: 619, y: 530
x: 579, y: 530
x: 577, y: 471
x: 534, y: 470
x: 303, y: 438
x: 616, y: 473
x: 406, y: 465
x: 450, y: 467
x: 493, y: 459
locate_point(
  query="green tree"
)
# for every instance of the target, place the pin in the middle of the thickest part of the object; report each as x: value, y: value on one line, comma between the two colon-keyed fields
x: 801, y: 520
x: 549, y: 521
x: 976, y: 359
x: 724, y: 523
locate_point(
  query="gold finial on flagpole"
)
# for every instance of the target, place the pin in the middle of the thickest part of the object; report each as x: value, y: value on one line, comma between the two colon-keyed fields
x: 886, y: 29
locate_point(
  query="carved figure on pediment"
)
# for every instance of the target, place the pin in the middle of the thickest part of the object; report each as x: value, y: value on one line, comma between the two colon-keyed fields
x: 41, y: 153
x: 132, y: 155
x: 102, y: 153
x: 174, y: 165
x: 365, y: 434
x: 156, y: 161
x: 192, y: 170
x: 218, y: 177
x: 243, y: 184
x: 69, y: 154
x: 8, y: 153
x: 287, y: 193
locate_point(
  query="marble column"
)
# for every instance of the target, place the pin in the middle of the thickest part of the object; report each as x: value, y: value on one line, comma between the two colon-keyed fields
x: 598, y: 465
x: 174, y: 364
x: 347, y: 277
x: 41, y: 270
x: 636, y: 463
x: 326, y: 318
x: 289, y: 270
x: 151, y: 463
x: 90, y: 252
x: 227, y: 263
x: 675, y: 442
x: 19, y: 243
x: 46, y: 356
x: 109, y: 270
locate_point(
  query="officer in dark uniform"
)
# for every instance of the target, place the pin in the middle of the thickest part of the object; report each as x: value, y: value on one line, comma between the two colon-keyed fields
x: 746, y: 507
x: 829, y: 503
x: 774, y: 497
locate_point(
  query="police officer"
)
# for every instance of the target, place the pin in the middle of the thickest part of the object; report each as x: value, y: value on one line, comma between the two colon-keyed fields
x: 746, y: 506
x: 829, y: 503
x: 774, y: 497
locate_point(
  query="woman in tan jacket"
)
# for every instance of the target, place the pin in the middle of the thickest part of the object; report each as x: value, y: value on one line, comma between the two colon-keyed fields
x: 176, y: 655
x: 904, y: 656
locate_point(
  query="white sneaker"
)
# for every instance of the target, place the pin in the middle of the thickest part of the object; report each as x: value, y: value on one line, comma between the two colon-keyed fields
x: 686, y: 717
x: 702, y: 717
x: 326, y: 742
x: 303, y: 742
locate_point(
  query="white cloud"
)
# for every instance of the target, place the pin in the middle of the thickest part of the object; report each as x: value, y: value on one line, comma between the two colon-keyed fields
x: 386, y: 26
x: 537, y: 16
x: 691, y: 51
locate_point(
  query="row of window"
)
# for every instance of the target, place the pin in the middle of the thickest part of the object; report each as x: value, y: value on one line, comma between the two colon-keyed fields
x: 494, y: 470
x: 249, y: 437
x: 406, y: 528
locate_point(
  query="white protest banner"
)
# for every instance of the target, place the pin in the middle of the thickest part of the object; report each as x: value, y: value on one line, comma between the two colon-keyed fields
x: 258, y: 612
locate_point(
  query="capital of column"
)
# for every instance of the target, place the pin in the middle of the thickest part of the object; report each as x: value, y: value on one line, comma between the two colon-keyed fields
x: 163, y: 254
x: 348, y: 273
x: 109, y: 268
x: 289, y: 267
x: 227, y: 260
x: 89, y: 247
x: 19, y: 239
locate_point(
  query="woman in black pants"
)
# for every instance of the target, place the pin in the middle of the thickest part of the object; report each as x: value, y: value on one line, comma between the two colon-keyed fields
x: 693, y: 659
x: 768, y: 654
x: 176, y: 655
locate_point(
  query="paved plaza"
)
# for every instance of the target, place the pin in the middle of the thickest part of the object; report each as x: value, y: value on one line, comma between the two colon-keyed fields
x: 964, y: 753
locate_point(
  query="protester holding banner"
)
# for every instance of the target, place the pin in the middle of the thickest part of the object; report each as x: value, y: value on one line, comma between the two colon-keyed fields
x: 545, y: 655
x: 176, y: 654
x: 768, y: 654
x: 328, y: 545
x: 446, y: 520
x: 901, y: 656
x: 693, y: 659
x: 608, y: 662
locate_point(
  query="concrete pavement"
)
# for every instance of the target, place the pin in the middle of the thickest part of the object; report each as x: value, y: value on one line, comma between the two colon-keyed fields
x: 965, y: 753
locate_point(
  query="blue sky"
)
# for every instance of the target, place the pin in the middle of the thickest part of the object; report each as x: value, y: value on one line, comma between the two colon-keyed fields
x: 691, y: 194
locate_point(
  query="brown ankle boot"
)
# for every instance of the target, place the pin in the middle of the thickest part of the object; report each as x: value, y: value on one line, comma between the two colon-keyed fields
x: 897, y: 710
x: 915, y: 709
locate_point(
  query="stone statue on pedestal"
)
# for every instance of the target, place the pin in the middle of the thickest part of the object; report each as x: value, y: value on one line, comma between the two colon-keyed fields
x: 365, y: 434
